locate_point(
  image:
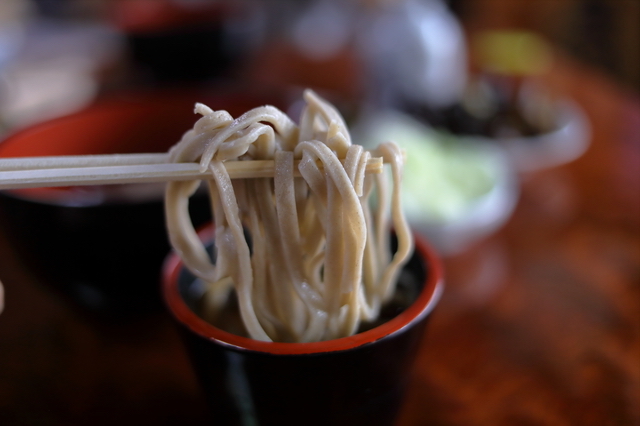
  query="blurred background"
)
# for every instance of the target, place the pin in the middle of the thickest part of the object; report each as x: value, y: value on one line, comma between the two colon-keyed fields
x: 521, y: 120
x: 601, y: 33
x: 84, y: 48
x: 470, y: 81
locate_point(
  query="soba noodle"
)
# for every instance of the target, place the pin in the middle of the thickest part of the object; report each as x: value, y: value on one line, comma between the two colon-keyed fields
x: 318, y: 261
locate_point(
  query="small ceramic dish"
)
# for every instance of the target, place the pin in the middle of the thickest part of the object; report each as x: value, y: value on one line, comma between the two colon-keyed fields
x: 455, y: 191
x: 566, y: 142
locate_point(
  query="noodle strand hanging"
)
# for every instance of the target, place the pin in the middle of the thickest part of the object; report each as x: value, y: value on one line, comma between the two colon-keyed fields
x: 317, y: 260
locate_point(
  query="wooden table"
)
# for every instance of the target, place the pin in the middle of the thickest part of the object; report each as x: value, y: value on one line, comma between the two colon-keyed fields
x: 539, y: 324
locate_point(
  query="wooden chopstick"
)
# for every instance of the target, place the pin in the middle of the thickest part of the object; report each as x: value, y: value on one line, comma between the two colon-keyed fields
x: 69, y: 161
x: 34, y: 172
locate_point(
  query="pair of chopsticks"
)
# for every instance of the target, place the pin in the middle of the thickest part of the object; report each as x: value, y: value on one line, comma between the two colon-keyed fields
x: 38, y: 172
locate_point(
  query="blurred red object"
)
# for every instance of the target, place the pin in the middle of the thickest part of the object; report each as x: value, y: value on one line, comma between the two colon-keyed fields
x: 140, y: 16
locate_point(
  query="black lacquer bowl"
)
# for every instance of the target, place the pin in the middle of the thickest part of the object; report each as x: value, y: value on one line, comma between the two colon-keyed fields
x: 357, y: 380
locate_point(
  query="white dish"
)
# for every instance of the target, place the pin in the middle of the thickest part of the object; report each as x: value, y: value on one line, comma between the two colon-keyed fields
x: 456, y: 191
x: 566, y: 143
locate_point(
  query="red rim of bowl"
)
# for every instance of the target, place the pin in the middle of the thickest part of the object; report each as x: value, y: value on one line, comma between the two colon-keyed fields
x: 422, y: 306
x: 107, y: 125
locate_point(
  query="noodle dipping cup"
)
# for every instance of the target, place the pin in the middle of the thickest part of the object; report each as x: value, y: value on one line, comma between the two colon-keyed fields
x: 356, y: 380
x: 102, y: 247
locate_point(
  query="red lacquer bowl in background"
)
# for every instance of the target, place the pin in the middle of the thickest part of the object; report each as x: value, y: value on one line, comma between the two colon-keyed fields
x: 102, y: 247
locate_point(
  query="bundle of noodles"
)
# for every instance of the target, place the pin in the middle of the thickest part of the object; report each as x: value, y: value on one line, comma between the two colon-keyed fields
x: 318, y: 263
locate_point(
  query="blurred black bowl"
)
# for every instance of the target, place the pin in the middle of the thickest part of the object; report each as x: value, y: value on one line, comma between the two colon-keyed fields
x: 102, y: 247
